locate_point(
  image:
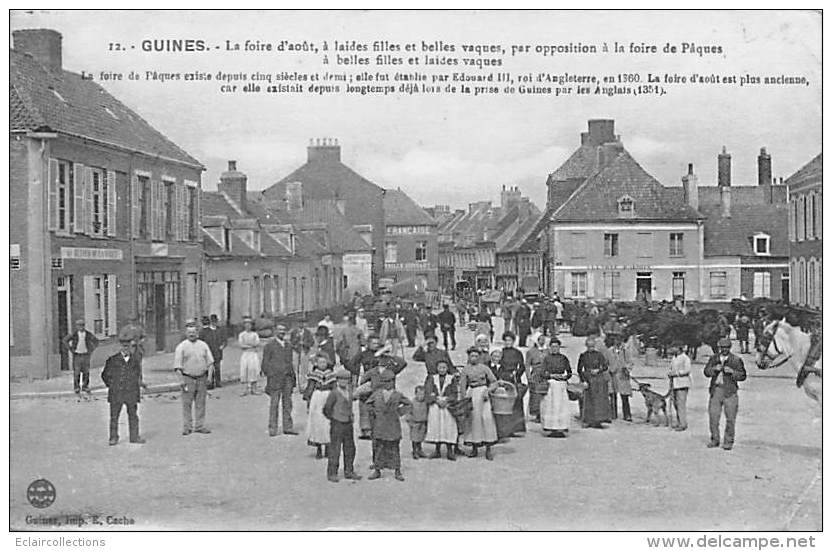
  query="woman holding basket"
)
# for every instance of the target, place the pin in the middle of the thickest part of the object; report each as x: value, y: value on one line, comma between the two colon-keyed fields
x: 554, y: 408
x: 510, y: 368
x: 475, y: 381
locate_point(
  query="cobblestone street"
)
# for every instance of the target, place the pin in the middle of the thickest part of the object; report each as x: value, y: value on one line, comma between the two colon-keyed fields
x: 627, y: 477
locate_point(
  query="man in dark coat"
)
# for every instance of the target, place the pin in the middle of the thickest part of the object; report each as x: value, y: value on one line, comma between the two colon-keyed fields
x: 213, y: 337
x: 411, y: 325
x: 524, y: 323
x: 428, y: 322
x: 725, y: 370
x: 433, y: 355
x: 592, y: 369
x: 386, y: 406
x: 447, y: 322
x: 123, y: 376
x: 276, y: 365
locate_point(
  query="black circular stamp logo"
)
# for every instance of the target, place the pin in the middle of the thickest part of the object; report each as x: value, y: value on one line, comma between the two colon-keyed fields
x: 41, y: 493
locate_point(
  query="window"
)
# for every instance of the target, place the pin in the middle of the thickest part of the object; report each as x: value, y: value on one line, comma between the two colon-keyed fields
x: 677, y: 244
x: 391, y: 252
x: 98, y: 187
x: 814, y: 216
x: 579, y: 284
x: 65, y: 213
x: 612, y: 285
x: 144, y: 202
x: 578, y: 244
x: 100, y: 304
x: 719, y: 283
x: 610, y: 244
x: 626, y: 206
x: 170, y: 232
x: 678, y: 284
x: 644, y: 244
x: 762, y: 284
x: 804, y: 218
x: 193, y: 218
x: 762, y: 243
x: 421, y: 251
x: 810, y: 282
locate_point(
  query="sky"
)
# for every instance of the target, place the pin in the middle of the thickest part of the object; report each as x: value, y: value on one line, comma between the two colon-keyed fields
x: 456, y: 149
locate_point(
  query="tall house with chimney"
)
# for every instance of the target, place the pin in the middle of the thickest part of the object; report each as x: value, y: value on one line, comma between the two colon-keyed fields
x: 104, y: 210
x: 613, y: 232
x: 806, y: 234
x: 258, y: 261
x: 324, y: 188
x: 746, y: 248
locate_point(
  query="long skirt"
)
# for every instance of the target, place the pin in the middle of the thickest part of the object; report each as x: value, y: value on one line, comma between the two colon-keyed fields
x: 596, y: 401
x: 386, y: 454
x: 483, y: 430
x: 249, y: 366
x: 534, y: 397
x: 554, y: 408
x: 301, y: 368
x: 317, y: 425
x: 507, y: 425
x: 441, y: 426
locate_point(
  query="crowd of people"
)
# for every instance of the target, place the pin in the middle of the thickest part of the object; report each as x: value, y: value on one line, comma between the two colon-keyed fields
x: 455, y: 408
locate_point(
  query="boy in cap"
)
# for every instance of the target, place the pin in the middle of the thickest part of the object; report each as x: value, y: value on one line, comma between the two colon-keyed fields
x: 338, y: 409
x: 386, y: 406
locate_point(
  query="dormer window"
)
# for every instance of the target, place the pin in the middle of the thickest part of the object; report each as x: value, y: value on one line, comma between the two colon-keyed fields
x: 626, y: 206
x: 762, y: 244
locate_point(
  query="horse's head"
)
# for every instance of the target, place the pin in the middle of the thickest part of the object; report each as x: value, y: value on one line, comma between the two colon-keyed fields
x: 773, y: 347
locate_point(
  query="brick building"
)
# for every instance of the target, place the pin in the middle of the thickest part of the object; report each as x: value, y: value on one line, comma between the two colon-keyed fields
x: 104, y: 214
x: 806, y: 234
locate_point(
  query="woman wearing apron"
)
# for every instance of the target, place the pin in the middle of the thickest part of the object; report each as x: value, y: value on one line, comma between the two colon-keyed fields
x: 474, y: 382
x: 554, y: 408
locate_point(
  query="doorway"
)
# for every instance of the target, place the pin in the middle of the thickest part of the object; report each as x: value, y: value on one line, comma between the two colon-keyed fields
x: 159, y: 315
x: 64, y: 318
x: 644, y: 286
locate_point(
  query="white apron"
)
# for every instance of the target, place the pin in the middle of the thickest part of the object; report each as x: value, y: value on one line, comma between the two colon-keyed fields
x: 441, y: 424
x: 317, y: 425
x: 554, y: 408
x: 483, y: 430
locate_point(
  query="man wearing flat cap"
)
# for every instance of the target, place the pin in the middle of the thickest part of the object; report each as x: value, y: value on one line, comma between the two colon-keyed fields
x: 725, y: 370
x: 123, y: 376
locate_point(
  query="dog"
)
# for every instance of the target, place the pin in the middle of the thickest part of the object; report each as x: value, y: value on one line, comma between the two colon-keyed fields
x: 655, y: 403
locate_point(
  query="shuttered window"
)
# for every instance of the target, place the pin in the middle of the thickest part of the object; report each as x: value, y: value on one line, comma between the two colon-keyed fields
x: 61, y: 195
x: 100, y: 306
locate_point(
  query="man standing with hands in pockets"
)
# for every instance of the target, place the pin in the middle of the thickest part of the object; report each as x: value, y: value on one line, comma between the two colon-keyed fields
x: 193, y: 361
x: 725, y: 371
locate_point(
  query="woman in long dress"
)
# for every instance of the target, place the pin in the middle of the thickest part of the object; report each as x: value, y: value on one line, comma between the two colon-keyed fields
x: 511, y: 367
x: 554, y: 408
x: 475, y: 381
x: 441, y: 391
x: 319, y: 383
x: 534, y: 365
x: 249, y: 359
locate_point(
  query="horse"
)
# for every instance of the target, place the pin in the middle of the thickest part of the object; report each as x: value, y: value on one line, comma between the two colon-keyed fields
x: 784, y: 344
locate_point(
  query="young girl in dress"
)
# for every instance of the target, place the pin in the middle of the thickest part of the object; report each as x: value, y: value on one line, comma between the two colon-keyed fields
x: 319, y: 383
x: 249, y: 360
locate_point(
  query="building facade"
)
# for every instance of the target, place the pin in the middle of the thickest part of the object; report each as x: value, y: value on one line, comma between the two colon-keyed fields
x: 806, y: 234
x: 411, y: 248
x: 614, y: 232
x: 104, y: 217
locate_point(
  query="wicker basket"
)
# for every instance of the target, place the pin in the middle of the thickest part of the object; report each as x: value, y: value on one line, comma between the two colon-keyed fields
x: 502, y: 403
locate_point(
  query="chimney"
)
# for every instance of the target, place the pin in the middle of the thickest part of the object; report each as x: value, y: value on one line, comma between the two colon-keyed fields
x: 234, y: 185
x: 763, y: 168
x: 724, y: 168
x: 601, y: 131
x: 690, y: 183
x: 42, y: 44
x: 294, y: 196
x: 323, y: 150
x: 725, y: 199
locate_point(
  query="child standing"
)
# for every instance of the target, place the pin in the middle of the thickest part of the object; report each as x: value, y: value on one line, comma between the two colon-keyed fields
x: 386, y: 406
x: 319, y: 384
x: 338, y: 409
x: 417, y: 420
